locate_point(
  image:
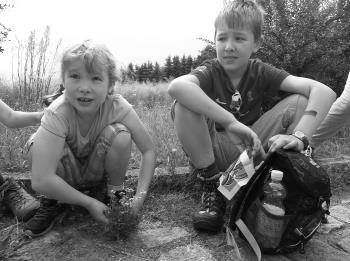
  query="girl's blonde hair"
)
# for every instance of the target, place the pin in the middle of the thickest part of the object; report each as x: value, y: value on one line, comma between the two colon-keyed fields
x: 96, y: 57
x: 242, y: 14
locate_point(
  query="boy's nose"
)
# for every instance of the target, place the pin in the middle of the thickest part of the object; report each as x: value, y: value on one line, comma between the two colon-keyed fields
x: 230, y: 46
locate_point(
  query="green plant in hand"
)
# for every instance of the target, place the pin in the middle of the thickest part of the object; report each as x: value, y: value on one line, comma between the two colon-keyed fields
x: 122, y: 218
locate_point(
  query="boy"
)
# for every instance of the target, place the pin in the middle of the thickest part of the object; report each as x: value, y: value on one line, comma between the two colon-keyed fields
x: 218, y: 107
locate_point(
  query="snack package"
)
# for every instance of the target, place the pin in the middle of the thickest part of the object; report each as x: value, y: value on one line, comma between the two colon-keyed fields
x: 236, y: 176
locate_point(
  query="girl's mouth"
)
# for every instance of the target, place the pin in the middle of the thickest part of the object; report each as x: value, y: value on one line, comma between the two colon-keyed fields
x: 84, y: 99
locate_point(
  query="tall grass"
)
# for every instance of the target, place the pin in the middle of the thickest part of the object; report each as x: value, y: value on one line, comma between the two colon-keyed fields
x: 152, y: 104
x: 150, y: 101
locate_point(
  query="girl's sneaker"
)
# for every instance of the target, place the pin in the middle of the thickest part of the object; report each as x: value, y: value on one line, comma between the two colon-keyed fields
x: 49, y: 213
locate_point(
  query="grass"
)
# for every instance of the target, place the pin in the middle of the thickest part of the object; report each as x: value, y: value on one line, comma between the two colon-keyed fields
x: 152, y: 104
x: 150, y: 101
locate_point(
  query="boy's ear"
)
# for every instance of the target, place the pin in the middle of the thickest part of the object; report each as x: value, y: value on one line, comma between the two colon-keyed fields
x: 258, y: 43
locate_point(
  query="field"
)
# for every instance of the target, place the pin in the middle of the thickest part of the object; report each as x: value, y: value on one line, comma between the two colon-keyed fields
x: 150, y: 101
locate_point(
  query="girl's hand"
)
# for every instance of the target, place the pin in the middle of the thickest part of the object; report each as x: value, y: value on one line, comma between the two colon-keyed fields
x: 98, y: 211
x: 137, y: 203
x: 241, y: 134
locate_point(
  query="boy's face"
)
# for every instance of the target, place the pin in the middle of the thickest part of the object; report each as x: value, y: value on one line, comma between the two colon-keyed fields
x: 85, y: 91
x: 234, y: 47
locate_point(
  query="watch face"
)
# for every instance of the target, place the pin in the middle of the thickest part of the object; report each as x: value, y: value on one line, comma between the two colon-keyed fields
x: 299, y: 134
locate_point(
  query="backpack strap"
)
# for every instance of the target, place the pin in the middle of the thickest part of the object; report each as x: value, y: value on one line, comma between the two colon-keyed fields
x: 250, y: 238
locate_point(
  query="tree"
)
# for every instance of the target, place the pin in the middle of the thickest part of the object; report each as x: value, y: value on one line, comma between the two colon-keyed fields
x: 156, y: 72
x: 4, y: 30
x: 308, y: 38
x: 168, y: 67
x: 176, y: 72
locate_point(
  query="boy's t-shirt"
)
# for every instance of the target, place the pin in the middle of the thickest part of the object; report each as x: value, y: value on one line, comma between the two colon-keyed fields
x: 60, y: 118
x: 259, y: 85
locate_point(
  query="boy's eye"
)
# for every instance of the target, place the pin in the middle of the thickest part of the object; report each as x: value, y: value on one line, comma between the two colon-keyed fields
x: 220, y: 39
x: 240, y: 38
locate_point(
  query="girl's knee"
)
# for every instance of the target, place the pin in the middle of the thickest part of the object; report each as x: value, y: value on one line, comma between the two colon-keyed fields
x: 122, y: 141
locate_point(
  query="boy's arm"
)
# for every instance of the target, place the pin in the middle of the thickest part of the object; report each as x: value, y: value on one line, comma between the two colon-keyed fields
x: 187, y: 92
x: 144, y: 143
x: 46, y: 153
x: 18, y: 119
x: 320, y: 98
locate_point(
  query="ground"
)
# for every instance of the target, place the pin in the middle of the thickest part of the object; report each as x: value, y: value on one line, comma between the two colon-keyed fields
x: 166, y: 233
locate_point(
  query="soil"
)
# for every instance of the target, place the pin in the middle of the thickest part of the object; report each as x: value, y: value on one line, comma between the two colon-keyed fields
x: 169, y: 206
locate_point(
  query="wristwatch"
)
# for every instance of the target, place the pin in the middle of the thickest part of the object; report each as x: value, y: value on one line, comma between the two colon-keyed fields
x: 301, y: 136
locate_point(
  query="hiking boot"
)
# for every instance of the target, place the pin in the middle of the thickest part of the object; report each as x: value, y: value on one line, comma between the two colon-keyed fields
x: 213, y: 206
x: 16, y: 198
x: 47, y: 215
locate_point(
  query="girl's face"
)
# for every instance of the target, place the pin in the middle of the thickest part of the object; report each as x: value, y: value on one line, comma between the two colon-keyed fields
x: 85, y: 91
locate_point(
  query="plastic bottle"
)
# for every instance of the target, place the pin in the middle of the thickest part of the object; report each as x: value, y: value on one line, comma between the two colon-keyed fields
x: 270, y: 217
x: 274, y: 193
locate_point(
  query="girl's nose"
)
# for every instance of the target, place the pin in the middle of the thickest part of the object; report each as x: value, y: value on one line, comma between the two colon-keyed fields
x: 85, y: 87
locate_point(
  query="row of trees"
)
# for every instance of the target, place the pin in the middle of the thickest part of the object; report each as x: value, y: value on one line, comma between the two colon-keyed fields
x: 173, y: 67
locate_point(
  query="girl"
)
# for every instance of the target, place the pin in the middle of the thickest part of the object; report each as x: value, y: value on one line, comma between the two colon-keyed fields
x: 85, y: 133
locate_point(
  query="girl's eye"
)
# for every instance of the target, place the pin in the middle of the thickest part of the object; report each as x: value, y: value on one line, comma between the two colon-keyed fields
x: 74, y: 76
x: 220, y: 39
x: 96, y: 78
x: 240, y: 39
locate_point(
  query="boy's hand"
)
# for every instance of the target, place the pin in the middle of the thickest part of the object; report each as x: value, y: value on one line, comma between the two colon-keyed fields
x: 286, y: 142
x: 98, y: 211
x: 241, y: 134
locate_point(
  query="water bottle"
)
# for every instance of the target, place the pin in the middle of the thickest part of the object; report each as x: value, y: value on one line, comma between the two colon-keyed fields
x: 274, y: 193
x: 270, y: 218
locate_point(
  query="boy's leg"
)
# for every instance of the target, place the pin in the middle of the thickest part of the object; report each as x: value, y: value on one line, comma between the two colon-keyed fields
x: 195, y: 134
x: 281, y: 119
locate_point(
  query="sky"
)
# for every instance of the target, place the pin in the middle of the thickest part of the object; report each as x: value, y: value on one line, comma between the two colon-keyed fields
x: 135, y: 31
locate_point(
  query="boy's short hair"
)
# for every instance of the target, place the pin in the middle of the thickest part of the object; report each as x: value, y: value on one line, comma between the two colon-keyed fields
x: 96, y: 57
x: 242, y: 14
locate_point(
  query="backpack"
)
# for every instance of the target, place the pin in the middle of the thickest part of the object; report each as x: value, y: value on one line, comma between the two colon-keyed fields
x: 306, y: 203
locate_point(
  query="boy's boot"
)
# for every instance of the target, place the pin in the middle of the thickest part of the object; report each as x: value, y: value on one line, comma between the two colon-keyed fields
x: 213, y: 205
x: 47, y: 215
x: 16, y: 198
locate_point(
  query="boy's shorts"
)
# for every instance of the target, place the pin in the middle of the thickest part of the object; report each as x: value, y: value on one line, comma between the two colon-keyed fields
x: 85, y: 173
x: 280, y: 119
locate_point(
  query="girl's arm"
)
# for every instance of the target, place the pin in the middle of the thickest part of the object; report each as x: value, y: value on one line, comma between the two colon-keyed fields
x: 144, y: 143
x: 18, y: 119
x: 46, y: 153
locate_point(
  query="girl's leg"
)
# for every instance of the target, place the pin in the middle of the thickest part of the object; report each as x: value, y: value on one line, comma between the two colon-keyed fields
x: 117, y: 160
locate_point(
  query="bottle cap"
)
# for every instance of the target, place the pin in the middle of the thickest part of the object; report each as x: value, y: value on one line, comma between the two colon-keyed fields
x: 276, y: 175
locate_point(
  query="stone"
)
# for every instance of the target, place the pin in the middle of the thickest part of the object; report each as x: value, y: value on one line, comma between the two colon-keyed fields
x: 344, y: 244
x: 189, y: 252
x: 318, y: 250
x: 160, y: 236
x: 332, y: 224
x: 341, y: 213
